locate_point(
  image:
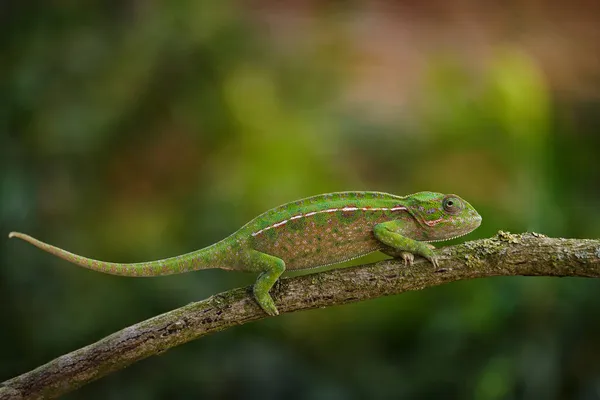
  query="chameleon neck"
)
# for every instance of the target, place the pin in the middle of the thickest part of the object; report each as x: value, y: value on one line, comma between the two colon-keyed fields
x: 199, y: 259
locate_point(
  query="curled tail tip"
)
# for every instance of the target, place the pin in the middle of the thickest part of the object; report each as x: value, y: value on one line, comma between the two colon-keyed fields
x: 19, y: 235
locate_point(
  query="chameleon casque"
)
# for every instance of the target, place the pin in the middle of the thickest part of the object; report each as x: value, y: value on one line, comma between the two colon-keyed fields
x: 313, y: 232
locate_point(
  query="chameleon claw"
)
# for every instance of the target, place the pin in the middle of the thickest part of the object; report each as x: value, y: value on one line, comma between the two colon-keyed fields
x: 271, y: 311
x: 434, y: 261
x: 408, y: 258
x: 267, y: 304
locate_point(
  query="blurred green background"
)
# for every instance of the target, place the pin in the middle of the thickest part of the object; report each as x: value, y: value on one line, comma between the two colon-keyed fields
x: 138, y: 130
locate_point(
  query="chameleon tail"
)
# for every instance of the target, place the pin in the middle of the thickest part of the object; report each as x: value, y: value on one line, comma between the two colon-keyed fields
x: 200, y: 259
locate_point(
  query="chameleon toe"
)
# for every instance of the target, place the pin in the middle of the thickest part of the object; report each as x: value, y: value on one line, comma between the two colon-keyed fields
x: 408, y: 258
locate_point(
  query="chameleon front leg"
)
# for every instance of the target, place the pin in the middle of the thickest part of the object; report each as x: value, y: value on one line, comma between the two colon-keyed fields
x: 388, y: 234
x: 270, y: 269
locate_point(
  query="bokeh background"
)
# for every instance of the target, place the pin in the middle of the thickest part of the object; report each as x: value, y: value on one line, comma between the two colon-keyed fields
x: 137, y: 130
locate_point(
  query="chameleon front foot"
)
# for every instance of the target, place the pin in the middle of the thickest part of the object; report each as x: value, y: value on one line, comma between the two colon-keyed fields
x: 403, y: 246
x: 408, y: 258
x: 434, y: 261
x: 431, y: 255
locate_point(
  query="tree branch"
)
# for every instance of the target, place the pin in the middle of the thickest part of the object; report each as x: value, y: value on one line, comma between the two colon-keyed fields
x: 504, y: 254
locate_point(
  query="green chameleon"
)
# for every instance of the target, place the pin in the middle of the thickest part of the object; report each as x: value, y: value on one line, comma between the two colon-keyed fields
x: 313, y: 232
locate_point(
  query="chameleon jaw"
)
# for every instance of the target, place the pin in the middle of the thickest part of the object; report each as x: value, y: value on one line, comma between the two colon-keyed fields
x: 443, y: 240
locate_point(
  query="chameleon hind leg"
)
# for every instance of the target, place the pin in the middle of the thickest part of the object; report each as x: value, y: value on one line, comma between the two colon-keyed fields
x: 270, y: 269
x: 400, y: 245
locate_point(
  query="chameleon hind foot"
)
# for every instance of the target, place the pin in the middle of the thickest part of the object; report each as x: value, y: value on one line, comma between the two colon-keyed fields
x: 272, y: 268
x: 265, y: 301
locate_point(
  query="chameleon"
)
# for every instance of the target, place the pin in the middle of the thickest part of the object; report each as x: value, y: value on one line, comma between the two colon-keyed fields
x: 312, y: 232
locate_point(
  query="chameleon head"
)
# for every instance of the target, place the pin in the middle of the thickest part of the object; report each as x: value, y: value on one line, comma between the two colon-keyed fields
x: 442, y: 216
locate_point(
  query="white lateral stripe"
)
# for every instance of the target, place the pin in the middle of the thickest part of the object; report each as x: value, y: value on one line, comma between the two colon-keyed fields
x: 332, y: 210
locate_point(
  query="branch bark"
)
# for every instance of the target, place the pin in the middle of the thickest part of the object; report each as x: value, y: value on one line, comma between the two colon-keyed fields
x: 505, y: 254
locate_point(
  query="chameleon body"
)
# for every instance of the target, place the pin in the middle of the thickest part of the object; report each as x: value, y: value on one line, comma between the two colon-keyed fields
x: 313, y: 232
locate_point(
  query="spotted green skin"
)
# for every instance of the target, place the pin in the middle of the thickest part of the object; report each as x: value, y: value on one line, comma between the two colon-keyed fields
x: 312, y: 232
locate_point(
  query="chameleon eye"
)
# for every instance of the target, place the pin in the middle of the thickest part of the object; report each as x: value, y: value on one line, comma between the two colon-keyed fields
x: 452, y: 204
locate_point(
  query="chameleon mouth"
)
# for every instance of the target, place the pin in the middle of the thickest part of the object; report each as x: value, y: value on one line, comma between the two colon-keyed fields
x: 446, y: 239
x: 475, y: 225
x: 453, y: 237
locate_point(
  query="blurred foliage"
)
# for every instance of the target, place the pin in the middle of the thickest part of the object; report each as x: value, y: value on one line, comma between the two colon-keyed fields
x: 139, y: 130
